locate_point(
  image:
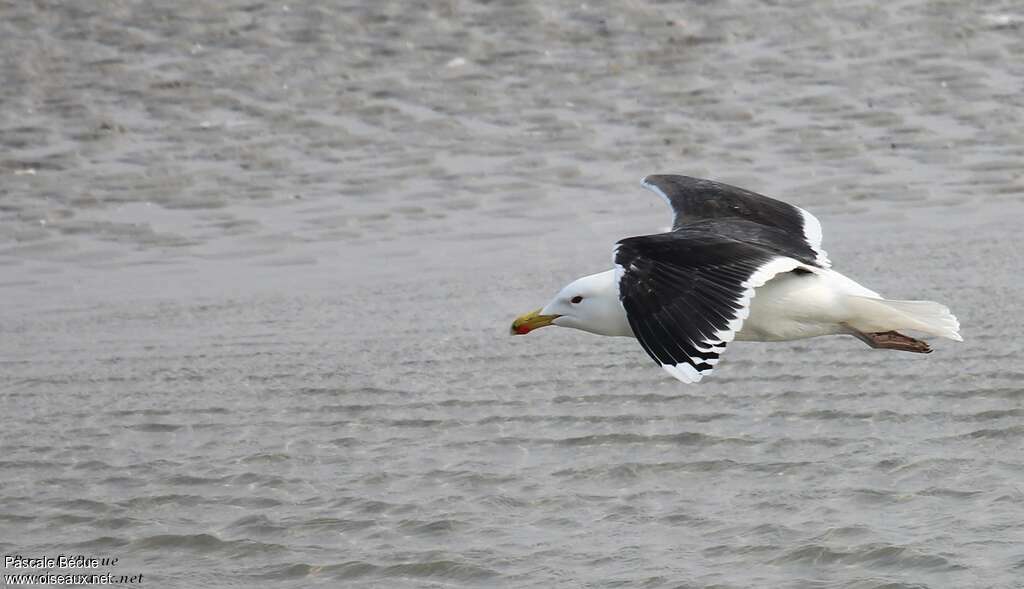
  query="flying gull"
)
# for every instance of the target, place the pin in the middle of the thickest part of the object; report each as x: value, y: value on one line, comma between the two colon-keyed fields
x: 736, y: 265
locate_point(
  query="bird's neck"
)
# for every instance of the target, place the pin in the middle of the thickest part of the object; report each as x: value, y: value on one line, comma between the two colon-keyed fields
x: 611, y: 319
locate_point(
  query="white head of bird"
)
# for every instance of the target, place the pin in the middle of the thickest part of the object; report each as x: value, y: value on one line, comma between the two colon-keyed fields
x: 589, y: 304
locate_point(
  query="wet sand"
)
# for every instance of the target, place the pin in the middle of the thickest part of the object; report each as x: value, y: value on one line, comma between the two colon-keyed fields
x: 258, y: 263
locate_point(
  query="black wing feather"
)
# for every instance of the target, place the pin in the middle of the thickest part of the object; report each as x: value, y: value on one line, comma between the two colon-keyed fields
x: 743, y: 215
x: 685, y: 293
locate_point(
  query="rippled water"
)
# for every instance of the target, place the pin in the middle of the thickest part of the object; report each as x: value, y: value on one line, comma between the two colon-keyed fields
x: 258, y: 261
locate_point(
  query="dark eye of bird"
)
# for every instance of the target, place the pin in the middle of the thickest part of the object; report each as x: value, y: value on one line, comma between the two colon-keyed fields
x: 576, y: 299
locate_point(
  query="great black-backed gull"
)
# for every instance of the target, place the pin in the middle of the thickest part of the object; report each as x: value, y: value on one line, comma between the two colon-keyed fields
x: 736, y: 265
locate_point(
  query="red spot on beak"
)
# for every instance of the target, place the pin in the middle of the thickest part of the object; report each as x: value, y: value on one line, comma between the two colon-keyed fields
x: 523, y: 329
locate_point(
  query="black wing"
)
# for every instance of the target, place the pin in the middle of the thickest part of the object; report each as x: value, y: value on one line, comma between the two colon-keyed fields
x: 695, y: 200
x: 687, y: 293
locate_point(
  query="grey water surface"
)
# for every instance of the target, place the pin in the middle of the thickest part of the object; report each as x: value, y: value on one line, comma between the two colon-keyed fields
x: 258, y: 261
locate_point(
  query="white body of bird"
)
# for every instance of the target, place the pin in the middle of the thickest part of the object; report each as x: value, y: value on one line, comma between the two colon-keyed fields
x: 789, y: 306
x: 825, y: 302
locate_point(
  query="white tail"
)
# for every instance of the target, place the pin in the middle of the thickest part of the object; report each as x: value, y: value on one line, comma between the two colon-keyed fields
x: 924, y: 316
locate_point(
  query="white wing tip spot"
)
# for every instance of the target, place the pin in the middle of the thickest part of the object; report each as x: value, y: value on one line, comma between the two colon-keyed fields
x: 683, y: 372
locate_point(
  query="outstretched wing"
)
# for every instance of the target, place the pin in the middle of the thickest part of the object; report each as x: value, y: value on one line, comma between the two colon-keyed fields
x: 695, y: 200
x: 686, y: 293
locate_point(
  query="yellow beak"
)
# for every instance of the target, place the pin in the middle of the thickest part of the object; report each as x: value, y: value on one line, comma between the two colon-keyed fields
x: 524, y: 324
